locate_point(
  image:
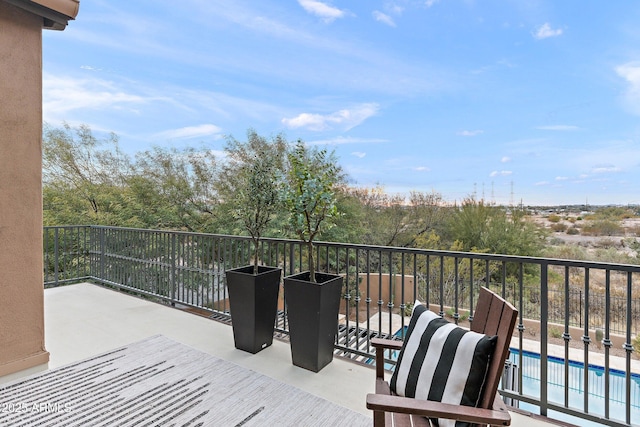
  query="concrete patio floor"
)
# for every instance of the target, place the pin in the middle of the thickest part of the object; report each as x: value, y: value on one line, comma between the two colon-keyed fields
x: 84, y: 320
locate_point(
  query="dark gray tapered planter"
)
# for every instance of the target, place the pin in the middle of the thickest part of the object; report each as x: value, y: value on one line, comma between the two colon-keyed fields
x: 312, y: 311
x: 253, y: 300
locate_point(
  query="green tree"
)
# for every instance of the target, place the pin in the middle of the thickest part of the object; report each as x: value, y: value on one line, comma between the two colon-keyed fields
x: 479, y: 227
x: 427, y: 216
x: 348, y: 225
x: 510, y: 234
x: 395, y: 220
x: 468, y: 224
x: 382, y: 215
x: 80, y: 177
x: 175, y: 188
x: 249, y: 182
x: 310, y: 196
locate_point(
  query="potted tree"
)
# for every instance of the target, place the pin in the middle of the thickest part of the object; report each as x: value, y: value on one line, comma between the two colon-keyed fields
x: 312, y: 298
x: 249, y: 185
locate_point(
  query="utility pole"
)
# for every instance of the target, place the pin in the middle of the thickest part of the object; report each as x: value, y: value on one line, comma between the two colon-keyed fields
x: 511, y: 198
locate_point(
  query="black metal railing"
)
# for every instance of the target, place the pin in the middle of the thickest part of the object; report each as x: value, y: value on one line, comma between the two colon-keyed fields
x: 565, y: 300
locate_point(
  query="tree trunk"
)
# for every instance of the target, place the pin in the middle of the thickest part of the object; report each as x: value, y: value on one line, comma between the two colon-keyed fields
x: 312, y: 264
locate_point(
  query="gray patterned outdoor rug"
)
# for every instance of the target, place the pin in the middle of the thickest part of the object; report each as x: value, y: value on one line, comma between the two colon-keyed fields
x: 160, y: 382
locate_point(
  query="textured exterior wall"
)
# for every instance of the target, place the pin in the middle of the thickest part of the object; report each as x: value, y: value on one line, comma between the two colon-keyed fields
x: 21, y: 289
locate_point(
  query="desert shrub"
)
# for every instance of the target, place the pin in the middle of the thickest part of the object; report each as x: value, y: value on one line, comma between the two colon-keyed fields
x: 573, y: 231
x: 613, y: 255
x: 555, y: 332
x: 603, y: 228
x: 632, y: 244
x: 606, y: 243
x: 555, y: 241
x: 613, y: 213
x: 566, y: 252
x: 554, y: 218
x: 636, y: 344
x: 599, y: 336
x: 462, y: 315
x: 558, y: 227
x: 408, y: 308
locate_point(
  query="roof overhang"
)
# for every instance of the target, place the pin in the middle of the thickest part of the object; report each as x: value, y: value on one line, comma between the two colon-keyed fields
x: 56, y: 14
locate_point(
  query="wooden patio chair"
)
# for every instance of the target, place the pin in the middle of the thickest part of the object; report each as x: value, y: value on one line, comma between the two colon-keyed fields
x: 493, y: 317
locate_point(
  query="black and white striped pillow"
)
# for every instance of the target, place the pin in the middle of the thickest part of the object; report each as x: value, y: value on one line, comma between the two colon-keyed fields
x: 442, y: 362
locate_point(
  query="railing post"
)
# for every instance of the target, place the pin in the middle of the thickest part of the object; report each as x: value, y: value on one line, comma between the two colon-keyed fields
x: 580, y: 308
x: 628, y: 347
x: 55, y: 256
x: 607, y: 343
x: 102, y: 253
x: 586, y: 340
x: 544, y: 316
x: 566, y: 335
x: 173, y: 270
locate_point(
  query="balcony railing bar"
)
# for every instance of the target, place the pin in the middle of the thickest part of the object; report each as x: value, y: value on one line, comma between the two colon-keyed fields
x: 585, y: 339
x: 566, y: 336
x: 607, y: 342
x: 189, y: 269
x: 544, y: 314
x: 629, y: 349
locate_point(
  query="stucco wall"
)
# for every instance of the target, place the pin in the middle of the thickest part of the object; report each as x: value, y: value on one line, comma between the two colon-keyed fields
x: 21, y: 290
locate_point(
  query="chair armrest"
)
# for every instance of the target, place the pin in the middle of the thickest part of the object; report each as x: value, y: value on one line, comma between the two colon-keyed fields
x: 386, y: 344
x: 381, y: 345
x: 430, y: 409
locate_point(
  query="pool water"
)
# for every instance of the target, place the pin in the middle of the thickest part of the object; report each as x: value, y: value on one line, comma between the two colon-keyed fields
x: 596, y: 379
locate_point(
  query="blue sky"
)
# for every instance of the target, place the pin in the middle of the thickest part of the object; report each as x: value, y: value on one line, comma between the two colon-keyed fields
x: 509, y: 100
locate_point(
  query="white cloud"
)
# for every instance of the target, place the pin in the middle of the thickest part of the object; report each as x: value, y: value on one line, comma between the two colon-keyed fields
x: 307, y: 120
x: 62, y: 95
x: 470, y: 132
x: 505, y: 159
x: 421, y: 169
x: 358, y: 154
x: 500, y: 173
x: 559, y: 127
x: 430, y: 3
x: 189, y: 132
x: 605, y: 169
x: 90, y: 68
x: 541, y: 183
x: 132, y: 108
x: 385, y: 19
x: 631, y: 73
x: 344, y: 119
x: 545, y: 31
x: 323, y: 10
x: 561, y: 178
x: 396, y: 9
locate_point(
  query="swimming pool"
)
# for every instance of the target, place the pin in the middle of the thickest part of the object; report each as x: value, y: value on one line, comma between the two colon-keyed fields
x: 596, y: 378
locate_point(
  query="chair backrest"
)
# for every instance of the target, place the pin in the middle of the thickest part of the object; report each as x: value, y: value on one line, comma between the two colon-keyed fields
x: 494, y: 316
